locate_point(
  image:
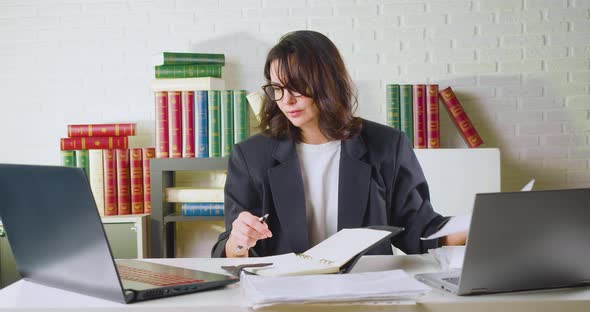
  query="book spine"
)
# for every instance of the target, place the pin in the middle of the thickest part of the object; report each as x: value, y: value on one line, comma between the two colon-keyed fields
x: 202, y: 209
x: 123, y: 181
x: 432, y: 116
x: 201, y: 124
x: 162, y: 131
x: 175, y: 124
x: 101, y: 130
x: 96, y: 178
x: 227, y: 122
x: 188, y: 124
x: 194, y: 195
x: 406, y: 111
x: 392, y: 101
x: 147, y: 154
x: 82, y: 160
x: 240, y: 116
x: 214, y: 128
x: 178, y: 58
x: 187, y: 84
x: 187, y: 71
x: 460, y: 118
x: 93, y: 143
x: 67, y: 158
x: 110, y: 182
x: 419, y: 100
x: 136, y: 180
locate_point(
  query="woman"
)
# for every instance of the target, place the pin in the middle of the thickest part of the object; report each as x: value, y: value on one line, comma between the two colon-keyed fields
x: 316, y: 168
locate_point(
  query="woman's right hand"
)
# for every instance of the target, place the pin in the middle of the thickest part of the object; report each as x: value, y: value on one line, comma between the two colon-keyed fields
x: 247, y: 229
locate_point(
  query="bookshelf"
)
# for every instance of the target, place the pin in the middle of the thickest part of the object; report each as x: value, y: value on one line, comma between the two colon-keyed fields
x: 163, y: 216
x: 454, y: 177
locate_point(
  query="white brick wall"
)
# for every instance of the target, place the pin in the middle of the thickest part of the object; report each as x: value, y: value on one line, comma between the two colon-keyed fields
x: 521, y: 67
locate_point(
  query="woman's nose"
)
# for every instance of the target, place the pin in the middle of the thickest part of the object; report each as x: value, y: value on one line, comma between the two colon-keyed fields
x: 288, y: 98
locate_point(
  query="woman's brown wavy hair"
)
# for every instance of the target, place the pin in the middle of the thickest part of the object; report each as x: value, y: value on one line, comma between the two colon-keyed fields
x: 309, y: 63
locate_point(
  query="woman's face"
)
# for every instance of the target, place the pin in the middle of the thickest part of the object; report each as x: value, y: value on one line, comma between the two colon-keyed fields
x: 300, y: 110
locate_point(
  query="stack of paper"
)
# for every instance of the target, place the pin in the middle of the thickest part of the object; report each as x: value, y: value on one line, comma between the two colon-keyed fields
x: 371, y: 286
x: 449, y: 257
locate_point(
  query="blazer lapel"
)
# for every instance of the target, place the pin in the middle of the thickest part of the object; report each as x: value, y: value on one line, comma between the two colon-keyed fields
x: 288, y: 195
x: 354, y: 181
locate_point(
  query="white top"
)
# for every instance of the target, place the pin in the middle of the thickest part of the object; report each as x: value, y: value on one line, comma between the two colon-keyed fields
x: 320, y: 166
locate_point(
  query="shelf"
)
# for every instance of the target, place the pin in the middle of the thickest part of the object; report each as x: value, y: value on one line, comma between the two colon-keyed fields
x: 181, y: 164
x: 177, y: 217
x: 163, y: 217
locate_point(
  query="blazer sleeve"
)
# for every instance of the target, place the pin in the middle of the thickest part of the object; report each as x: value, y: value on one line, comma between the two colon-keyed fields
x: 240, y: 195
x: 410, y: 205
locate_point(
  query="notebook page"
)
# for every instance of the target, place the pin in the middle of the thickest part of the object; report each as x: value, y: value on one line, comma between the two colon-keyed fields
x: 345, y: 244
x: 291, y: 264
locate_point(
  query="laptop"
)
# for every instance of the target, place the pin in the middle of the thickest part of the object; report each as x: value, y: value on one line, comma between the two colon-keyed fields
x: 523, y: 241
x: 58, y: 240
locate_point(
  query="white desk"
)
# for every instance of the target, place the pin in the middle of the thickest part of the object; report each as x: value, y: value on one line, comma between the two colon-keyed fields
x: 27, y: 296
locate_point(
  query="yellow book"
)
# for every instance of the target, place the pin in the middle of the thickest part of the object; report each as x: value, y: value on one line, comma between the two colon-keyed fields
x: 194, y: 195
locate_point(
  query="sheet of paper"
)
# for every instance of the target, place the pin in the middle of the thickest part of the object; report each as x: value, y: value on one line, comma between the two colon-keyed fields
x: 449, y: 257
x: 386, y: 285
x: 528, y: 186
x: 454, y: 225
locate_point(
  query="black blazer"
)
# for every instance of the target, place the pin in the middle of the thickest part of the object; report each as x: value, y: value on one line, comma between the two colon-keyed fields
x: 380, y: 183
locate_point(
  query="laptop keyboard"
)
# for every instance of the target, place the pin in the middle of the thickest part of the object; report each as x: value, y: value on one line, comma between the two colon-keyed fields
x: 153, y: 278
x: 452, y: 280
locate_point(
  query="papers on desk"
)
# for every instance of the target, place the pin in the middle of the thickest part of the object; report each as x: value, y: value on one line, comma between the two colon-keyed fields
x: 449, y: 257
x: 366, y: 287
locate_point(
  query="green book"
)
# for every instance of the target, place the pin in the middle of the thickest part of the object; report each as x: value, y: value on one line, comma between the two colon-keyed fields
x: 406, y: 112
x: 178, y: 58
x: 82, y: 161
x: 227, y: 122
x: 392, y: 106
x: 214, y: 127
x: 68, y: 158
x: 187, y: 71
x: 240, y: 116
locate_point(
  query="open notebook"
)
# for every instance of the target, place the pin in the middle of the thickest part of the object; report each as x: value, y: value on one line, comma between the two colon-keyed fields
x: 337, y: 254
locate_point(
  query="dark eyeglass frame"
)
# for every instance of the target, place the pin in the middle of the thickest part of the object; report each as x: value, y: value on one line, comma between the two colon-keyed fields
x: 282, y: 88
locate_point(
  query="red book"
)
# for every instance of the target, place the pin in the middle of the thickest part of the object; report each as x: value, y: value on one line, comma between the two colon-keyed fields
x: 86, y: 143
x: 188, y: 124
x: 110, y: 182
x: 136, y: 180
x: 162, y: 150
x: 432, y: 120
x: 419, y: 107
x: 460, y: 118
x: 101, y: 130
x: 175, y: 124
x: 123, y: 182
x: 147, y: 154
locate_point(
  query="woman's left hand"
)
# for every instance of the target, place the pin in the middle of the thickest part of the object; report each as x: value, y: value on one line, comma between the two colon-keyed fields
x: 455, y: 239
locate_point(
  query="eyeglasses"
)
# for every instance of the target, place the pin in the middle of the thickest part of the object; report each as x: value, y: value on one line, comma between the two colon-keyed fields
x: 276, y: 92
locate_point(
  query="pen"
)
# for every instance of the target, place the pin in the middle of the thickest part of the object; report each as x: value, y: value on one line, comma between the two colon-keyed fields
x: 262, y: 220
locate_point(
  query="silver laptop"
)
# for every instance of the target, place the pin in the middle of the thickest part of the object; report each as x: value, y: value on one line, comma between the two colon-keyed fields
x: 58, y: 240
x: 523, y: 241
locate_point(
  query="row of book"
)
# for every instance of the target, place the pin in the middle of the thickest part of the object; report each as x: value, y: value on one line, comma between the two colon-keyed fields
x: 98, y: 136
x: 119, y: 178
x: 197, y: 201
x: 187, y: 65
x: 414, y: 109
x: 201, y: 123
